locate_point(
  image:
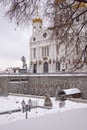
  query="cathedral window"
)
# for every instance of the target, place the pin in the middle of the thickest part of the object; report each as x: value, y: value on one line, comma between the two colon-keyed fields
x: 45, y: 51
x: 57, y: 49
x: 66, y: 66
x: 57, y: 65
x: 34, y: 52
x: 45, y: 35
x: 35, y: 68
x: 34, y: 29
x: 65, y: 50
x: 45, y: 67
x: 34, y: 39
x: 40, y: 27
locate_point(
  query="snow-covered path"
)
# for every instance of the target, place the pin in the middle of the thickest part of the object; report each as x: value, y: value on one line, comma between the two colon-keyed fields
x: 67, y: 120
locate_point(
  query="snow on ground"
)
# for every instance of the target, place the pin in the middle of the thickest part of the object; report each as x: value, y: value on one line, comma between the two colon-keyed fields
x: 67, y: 120
x: 43, y: 119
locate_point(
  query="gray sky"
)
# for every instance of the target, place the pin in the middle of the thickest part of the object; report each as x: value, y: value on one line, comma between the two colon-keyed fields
x: 13, y: 44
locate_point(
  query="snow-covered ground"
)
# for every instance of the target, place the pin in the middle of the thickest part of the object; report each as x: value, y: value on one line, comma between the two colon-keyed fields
x: 72, y: 116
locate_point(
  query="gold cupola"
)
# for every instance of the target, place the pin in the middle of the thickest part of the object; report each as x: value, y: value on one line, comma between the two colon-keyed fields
x: 37, y: 20
x: 79, y: 5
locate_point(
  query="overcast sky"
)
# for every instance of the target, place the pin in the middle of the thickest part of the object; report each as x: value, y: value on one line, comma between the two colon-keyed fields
x: 13, y: 43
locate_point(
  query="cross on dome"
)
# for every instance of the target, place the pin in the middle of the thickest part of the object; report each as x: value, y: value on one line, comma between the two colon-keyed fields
x: 37, y: 19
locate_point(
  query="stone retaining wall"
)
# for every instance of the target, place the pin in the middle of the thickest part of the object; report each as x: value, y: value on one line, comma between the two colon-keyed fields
x: 42, y: 84
x: 18, y: 84
x: 4, y: 83
x: 48, y: 84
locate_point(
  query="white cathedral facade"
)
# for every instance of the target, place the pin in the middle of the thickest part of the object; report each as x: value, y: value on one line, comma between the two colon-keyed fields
x: 46, y: 54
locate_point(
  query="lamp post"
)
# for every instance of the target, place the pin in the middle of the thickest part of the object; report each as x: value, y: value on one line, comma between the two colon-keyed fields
x: 26, y: 110
x: 26, y: 107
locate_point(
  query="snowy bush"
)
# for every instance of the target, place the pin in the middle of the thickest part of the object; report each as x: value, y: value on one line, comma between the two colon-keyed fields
x: 48, y: 101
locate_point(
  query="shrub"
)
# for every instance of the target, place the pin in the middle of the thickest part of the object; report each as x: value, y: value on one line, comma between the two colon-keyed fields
x: 48, y: 101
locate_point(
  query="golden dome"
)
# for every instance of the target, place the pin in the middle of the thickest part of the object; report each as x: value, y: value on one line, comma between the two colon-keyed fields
x: 36, y: 20
x: 79, y: 5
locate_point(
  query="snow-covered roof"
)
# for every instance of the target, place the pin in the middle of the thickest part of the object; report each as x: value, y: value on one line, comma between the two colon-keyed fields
x: 72, y: 91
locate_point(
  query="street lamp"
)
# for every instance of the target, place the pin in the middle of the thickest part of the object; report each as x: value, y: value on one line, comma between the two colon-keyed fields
x: 26, y: 107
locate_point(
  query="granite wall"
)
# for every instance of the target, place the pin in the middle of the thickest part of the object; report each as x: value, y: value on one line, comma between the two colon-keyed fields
x: 48, y: 84
x: 4, y: 83
x: 42, y: 84
x: 18, y: 84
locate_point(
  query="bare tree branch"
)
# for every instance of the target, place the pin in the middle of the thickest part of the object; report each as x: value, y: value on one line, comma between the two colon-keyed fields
x: 65, y: 16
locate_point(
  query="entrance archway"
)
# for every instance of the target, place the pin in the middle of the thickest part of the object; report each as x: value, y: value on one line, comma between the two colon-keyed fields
x: 35, y: 68
x: 45, y: 67
x: 58, y: 66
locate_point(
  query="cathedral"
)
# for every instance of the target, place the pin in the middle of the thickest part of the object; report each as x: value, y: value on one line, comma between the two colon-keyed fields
x: 44, y: 50
x: 47, y: 55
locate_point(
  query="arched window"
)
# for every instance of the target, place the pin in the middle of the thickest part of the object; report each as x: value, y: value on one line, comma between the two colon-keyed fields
x: 45, y: 51
x: 57, y: 65
x: 34, y: 52
x: 45, y: 67
x: 57, y: 49
x: 35, y: 68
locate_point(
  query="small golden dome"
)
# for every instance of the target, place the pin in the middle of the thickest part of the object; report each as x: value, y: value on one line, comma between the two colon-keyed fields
x: 35, y: 20
x: 79, y: 5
